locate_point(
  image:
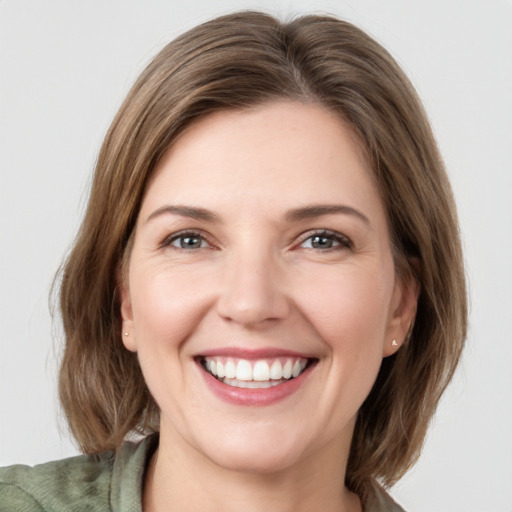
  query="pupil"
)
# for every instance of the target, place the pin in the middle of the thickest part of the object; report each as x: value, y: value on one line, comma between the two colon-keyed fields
x: 322, y: 242
x: 190, y: 242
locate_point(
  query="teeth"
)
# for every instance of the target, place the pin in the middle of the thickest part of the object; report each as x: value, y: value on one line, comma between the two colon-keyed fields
x: 261, y: 371
x: 252, y: 384
x: 245, y: 373
x: 243, y: 370
x: 276, y: 370
x: 287, y: 369
x: 296, y: 369
x: 230, y: 369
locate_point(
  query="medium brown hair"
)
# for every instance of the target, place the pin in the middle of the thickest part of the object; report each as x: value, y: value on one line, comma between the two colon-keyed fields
x: 238, y: 61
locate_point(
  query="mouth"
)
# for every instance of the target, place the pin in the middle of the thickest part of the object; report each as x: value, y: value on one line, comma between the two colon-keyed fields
x: 255, y: 374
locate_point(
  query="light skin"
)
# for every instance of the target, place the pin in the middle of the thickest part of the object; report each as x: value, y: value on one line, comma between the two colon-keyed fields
x: 262, y: 230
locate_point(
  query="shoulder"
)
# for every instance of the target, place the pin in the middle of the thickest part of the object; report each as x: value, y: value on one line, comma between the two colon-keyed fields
x: 378, y: 500
x: 103, y: 482
x: 56, y: 485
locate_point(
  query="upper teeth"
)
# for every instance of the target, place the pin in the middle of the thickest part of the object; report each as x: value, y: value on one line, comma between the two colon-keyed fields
x: 259, y: 370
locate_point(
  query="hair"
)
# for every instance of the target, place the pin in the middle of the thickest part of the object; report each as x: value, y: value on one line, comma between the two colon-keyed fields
x: 239, y: 61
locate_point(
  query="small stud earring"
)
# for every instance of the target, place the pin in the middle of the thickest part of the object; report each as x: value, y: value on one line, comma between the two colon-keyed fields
x: 126, y: 334
x: 394, y: 343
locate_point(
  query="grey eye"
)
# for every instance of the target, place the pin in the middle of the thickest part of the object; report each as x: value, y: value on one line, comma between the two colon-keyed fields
x: 326, y: 240
x: 188, y: 241
x: 320, y: 242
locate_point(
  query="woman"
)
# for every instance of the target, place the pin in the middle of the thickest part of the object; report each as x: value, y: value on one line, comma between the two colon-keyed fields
x: 267, y: 284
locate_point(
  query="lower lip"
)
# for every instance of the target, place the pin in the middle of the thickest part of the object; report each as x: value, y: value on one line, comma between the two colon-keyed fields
x: 254, y: 397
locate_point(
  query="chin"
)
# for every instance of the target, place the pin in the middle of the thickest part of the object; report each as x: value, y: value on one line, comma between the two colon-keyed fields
x: 262, y: 453
x: 254, y: 462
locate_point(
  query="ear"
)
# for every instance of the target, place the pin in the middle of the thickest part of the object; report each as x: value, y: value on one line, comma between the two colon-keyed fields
x: 402, y: 313
x: 128, y: 327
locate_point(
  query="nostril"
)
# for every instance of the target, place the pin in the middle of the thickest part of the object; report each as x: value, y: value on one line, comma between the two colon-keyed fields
x: 252, y: 294
x: 252, y: 311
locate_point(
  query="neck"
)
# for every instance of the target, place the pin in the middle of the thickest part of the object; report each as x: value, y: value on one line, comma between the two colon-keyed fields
x: 181, y: 478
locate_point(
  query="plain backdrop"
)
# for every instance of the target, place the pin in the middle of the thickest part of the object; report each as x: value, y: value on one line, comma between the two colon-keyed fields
x: 65, y: 66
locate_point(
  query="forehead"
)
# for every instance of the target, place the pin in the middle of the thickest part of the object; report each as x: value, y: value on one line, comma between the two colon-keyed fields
x: 277, y: 154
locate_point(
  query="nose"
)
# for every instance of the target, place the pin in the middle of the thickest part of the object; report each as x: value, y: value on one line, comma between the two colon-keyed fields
x: 253, y: 294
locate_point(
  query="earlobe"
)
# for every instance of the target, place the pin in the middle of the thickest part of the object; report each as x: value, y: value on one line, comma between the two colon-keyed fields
x: 128, y: 331
x: 402, y: 314
x: 129, y: 339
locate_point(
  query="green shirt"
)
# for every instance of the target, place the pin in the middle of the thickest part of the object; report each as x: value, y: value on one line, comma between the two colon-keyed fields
x: 108, y: 482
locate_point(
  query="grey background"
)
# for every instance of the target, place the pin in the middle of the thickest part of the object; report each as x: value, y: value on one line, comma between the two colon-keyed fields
x: 64, y: 69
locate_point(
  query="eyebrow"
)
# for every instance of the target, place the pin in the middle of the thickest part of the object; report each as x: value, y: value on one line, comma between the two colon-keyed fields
x: 191, y: 212
x: 317, y: 210
x: 294, y: 215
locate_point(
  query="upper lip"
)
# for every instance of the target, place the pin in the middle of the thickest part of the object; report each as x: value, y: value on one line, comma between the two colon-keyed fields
x: 253, y: 353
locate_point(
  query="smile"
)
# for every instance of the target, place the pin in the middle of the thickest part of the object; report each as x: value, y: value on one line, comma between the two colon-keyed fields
x: 254, y: 374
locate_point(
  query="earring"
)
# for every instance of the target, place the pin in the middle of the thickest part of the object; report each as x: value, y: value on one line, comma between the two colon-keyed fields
x: 394, y: 343
x: 126, y: 334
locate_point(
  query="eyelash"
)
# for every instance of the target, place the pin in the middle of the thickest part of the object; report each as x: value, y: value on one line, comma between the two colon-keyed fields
x: 341, y: 240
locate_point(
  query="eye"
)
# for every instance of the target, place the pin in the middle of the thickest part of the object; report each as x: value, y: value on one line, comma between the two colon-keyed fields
x: 187, y: 241
x: 325, y: 240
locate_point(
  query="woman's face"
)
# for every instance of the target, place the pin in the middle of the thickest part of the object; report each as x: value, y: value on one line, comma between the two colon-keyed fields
x: 261, y: 295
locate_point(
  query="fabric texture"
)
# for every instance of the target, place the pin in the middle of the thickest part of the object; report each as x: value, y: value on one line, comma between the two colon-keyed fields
x: 109, y: 482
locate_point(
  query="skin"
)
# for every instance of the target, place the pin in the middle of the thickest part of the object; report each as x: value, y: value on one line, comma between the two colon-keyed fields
x: 257, y: 280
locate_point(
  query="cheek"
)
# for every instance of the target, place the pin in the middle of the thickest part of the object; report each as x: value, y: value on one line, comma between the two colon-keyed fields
x: 349, y: 312
x: 349, y: 309
x: 166, y: 308
x: 166, y: 312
